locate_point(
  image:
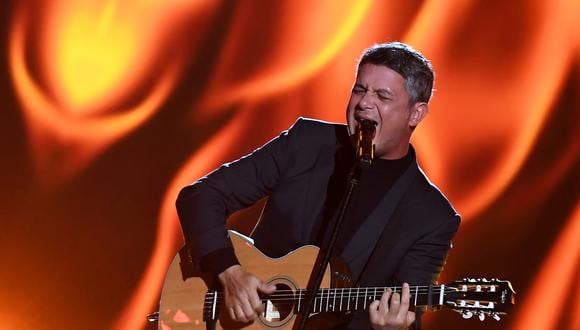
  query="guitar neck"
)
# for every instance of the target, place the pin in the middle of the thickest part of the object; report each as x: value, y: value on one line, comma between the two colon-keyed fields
x: 353, y: 299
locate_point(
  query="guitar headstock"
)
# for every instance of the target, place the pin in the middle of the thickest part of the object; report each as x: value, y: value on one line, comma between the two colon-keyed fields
x: 480, y: 297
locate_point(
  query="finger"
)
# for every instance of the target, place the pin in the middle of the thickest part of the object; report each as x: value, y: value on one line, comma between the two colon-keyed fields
x: 410, y: 318
x: 257, y: 304
x: 374, y: 306
x: 267, y: 288
x: 404, y: 308
x: 249, y: 312
x: 374, y: 314
x: 240, y: 315
x: 232, y: 313
x: 384, y: 302
x: 254, y: 301
x: 395, y: 304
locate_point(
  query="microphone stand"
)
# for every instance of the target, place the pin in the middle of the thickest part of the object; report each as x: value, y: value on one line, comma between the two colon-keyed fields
x: 353, y: 181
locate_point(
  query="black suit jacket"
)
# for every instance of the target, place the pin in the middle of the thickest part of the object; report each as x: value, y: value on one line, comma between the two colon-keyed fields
x: 303, y: 172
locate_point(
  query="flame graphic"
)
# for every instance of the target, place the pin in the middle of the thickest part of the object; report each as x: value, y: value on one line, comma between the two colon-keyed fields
x: 558, y: 273
x: 92, y: 59
x: 281, y: 68
x: 90, y: 55
x: 527, y: 90
x: 86, y: 74
x: 169, y: 236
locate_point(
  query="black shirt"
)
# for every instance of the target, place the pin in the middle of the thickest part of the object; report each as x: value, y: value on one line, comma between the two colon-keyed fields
x: 374, y: 183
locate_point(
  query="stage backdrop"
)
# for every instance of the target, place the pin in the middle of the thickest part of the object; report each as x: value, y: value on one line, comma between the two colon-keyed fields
x: 109, y: 107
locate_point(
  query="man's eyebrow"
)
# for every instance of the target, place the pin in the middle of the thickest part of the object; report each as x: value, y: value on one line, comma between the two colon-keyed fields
x: 380, y: 90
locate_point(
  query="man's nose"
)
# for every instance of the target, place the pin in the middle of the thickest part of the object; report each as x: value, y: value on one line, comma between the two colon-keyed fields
x: 365, y: 101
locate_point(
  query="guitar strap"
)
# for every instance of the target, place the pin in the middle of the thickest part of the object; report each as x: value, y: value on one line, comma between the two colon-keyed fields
x: 359, y: 249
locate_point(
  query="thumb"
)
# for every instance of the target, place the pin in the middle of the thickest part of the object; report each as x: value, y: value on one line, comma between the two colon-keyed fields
x: 267, y: 288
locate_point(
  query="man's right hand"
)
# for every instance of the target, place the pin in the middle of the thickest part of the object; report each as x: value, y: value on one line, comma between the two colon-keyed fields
x: 241, y: 293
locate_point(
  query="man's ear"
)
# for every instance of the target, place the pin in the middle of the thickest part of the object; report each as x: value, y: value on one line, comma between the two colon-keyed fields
x: 418, y: 112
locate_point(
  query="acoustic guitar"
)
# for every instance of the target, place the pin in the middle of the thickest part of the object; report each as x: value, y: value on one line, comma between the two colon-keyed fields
x: 187, y: 304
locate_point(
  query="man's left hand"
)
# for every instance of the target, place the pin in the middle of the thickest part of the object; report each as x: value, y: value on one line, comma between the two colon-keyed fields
x: 394, y: 316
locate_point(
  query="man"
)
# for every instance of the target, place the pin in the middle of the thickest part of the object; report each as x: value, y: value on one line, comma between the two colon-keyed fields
x: 398, y: 227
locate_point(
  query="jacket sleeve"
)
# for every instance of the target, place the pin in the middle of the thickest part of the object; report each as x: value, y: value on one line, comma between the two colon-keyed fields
x: 204, y: 206
x: 424, y: 261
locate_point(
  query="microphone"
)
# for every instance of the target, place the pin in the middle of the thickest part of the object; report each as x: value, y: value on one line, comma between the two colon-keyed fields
x: 365, y: 149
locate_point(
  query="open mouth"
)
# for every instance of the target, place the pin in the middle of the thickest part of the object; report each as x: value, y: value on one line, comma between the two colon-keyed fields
x: 361, y: 119
x: 360, y: 116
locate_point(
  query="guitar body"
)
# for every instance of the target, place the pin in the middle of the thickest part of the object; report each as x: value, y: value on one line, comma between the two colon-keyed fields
x: 182, y: 302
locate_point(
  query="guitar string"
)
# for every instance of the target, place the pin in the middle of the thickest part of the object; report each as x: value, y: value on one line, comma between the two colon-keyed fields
x: 398, y: 288
x: 353, y: 292
x: 324, y: 300
x: 319, y: 297
x: 340, y: 292
x: 326, y: 296
x: 289, y: 297
x: 335, y: 306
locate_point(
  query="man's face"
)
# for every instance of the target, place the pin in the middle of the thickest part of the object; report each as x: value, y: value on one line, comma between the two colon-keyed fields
x: 379, y: 95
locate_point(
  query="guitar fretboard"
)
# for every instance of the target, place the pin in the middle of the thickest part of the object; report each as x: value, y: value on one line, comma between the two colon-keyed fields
x: 353, y: 299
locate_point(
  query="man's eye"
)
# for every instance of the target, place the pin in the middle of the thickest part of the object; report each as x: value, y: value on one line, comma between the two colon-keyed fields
x: 358, y: 90
x: 384, y: 97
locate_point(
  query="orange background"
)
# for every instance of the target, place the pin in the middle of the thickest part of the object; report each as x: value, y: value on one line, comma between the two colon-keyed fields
x: 109, y: 107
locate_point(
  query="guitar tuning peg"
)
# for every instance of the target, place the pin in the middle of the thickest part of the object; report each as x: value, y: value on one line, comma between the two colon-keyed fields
x: 484, y: 280
x: 476, y: 304
x: 481, y: 316
x: 467, y: 314
x: 478, y: 288
x: 495, y: 316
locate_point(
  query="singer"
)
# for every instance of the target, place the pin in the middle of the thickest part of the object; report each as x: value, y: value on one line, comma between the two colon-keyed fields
x: 398, y: 228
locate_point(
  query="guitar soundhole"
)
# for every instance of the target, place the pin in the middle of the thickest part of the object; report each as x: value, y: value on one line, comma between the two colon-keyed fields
x: 279, y: 307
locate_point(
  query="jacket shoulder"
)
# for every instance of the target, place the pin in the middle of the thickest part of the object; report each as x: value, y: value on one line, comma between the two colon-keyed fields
x: 313, y: 133
x: 435, y: 200
x: 316, y: 124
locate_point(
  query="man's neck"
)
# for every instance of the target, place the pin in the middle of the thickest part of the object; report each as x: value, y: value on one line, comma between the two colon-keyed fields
x: 397, y: 153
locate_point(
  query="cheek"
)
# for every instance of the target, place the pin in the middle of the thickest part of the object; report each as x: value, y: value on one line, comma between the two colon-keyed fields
x: 394, y: 116
x: 387, y: 127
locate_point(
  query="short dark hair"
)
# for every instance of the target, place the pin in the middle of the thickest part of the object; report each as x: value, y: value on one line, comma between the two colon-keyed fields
x: 407, y: 62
